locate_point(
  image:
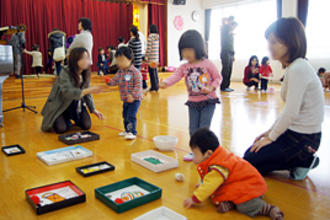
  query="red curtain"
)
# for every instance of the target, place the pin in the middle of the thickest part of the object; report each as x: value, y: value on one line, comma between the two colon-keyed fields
x: 157, y: 16
x: 109, y: 21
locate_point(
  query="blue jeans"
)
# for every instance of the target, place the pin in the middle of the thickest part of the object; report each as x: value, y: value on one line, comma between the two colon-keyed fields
x: 288, y: 151
x: 200, y: 117
x: 129, y: 114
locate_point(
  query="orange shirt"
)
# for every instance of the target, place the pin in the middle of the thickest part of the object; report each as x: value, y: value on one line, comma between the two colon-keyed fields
x: 243, y: 183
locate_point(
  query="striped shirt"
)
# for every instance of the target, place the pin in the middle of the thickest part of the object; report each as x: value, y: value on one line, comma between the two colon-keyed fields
x: 152, y: 53
x: 136, y: 45
x: 129, y: 82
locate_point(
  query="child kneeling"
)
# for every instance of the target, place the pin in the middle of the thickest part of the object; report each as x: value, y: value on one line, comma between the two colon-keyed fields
x: 230, y: 181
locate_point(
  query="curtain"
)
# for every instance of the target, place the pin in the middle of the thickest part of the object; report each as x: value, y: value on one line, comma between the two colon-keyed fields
x: 109, y: 21
x: 279, y: 8
x: 207, y: 27
x: 157, y: 15
x: 303, y: 11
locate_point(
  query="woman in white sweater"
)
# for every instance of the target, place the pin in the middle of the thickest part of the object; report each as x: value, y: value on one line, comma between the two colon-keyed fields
x: 85, y: 38
x: 290, y: 144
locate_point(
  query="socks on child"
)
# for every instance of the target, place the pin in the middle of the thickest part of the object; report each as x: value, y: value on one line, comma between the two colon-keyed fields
x: 272, y: 211
x: 225, y: 207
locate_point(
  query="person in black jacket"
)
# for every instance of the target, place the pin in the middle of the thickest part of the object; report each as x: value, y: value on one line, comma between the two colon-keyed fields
x: 56, y: 40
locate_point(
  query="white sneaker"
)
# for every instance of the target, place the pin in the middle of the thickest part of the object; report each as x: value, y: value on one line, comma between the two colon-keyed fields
x: 130, y: 136
x: 122, y: 134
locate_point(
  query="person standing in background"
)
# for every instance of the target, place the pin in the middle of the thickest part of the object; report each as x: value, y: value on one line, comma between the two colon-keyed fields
x: 227, y: 52
x: 56, y: 41
x: 85, y: 38
x: 152, y: 56
x: 17, y: 41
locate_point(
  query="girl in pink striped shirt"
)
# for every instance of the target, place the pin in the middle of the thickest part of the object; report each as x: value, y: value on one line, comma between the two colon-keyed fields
x: 201, y: 78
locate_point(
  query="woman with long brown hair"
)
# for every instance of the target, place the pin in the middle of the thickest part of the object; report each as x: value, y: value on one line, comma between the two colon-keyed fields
x: 70, y: 95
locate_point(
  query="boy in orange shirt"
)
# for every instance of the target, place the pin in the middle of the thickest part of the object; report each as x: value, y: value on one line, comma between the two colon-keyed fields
x: 230, y: 181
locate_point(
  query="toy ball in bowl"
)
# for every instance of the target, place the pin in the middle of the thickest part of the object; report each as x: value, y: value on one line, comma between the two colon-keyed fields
x: 165, y: 143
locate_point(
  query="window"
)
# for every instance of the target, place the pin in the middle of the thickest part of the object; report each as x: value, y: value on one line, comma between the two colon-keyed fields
x: 318, y: 29
x: 253, y: 18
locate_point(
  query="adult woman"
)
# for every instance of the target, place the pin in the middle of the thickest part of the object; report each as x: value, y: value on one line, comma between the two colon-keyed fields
x: 152, y: 56
x: 57, y: 40
x: 84, y: 38
x: 135, y: 44
x: 295, y: 136
x: 70, y: 95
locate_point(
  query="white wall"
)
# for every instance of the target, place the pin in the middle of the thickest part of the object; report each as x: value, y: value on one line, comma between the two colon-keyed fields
x: 173, y: 34
x: 289, y: 8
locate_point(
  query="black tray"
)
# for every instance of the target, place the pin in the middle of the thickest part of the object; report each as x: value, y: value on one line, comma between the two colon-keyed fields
x: 21, y: 150
x: 34, y: 200
x: 81, y: 170
x: 65, y: 138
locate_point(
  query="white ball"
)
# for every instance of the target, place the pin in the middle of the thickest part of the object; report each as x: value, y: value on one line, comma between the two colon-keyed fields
x: 179, y: 177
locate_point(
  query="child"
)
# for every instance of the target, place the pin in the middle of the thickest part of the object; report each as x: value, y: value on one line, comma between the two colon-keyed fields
x: 48, y: 68
x: 37, y: 59
x: 251, y: 74
x: 129, y: 79
x: 201, y: 77
x: 230, y: 181
x: 265, y: 73
x: 324, y: 77
x: 112, y: 63
x: 101, y: 62
x: 121, y: 42
x: 144, y: 72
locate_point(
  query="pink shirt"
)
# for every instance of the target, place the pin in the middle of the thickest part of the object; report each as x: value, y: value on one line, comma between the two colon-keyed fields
x: 197, y: 76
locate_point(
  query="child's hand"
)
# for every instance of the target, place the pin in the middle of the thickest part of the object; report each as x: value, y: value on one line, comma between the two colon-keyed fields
x: 163, y: 85
x: 188, y: 203
x: 207, y: 90
x: 106, y: 79
x: 130, y: 98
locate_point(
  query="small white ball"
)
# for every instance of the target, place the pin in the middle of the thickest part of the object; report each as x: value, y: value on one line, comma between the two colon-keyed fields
x: 179, y: 177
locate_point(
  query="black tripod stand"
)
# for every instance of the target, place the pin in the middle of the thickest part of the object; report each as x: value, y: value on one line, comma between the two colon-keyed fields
x: 23, y: 105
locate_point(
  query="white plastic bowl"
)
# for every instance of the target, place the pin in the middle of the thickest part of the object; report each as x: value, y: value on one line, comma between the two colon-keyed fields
x: 165, y: 143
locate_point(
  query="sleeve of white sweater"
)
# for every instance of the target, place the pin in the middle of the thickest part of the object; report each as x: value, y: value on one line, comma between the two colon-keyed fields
x: 295, y: 85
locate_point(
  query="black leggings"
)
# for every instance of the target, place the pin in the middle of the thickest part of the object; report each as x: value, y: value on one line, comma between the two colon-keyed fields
x: 82, y: 120
x: 289, y: 151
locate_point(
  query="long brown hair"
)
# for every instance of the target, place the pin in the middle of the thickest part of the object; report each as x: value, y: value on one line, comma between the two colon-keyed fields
x: 291, y: 32
x: 75, y: 55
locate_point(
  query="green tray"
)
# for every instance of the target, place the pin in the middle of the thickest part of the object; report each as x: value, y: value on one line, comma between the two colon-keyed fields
x: 154, y: 193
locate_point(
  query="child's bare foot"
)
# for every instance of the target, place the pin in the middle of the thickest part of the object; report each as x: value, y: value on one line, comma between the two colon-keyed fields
x: 272, y: 211
x: 226, y: 207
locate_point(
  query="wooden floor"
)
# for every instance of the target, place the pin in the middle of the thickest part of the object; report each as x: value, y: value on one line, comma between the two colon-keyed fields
x: 237, y: 121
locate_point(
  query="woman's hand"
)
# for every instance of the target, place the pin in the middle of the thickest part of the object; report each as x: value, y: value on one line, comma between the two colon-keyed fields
x: 92, y: 90
x: 266, y: 133
x: 98, y: 114
x: 188, y: 203
x: 260, y: 144
x: 130, y: 98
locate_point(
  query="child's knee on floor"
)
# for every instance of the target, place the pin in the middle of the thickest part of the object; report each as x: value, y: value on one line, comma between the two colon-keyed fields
x: 251, y: 207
